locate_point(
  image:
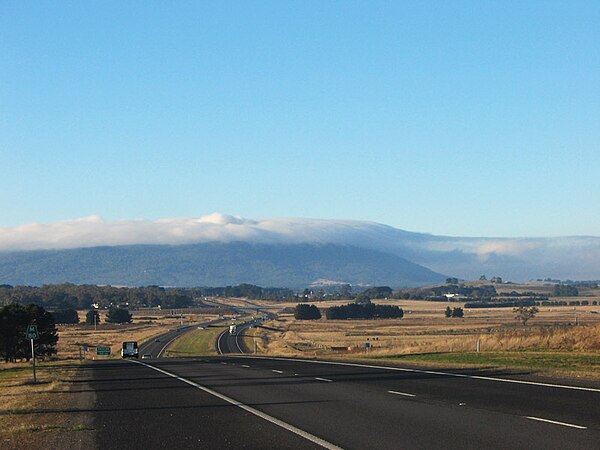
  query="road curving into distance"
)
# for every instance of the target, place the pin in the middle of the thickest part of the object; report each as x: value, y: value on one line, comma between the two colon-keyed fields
x: 233, y: 342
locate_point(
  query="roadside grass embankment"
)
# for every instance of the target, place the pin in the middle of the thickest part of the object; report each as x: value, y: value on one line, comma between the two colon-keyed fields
x: 24, y: 421
x: 549, y: 362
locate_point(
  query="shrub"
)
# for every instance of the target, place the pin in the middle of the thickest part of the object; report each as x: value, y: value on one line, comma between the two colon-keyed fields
x: 63, y: 316
x: 118, y: 315
x: 306, y: 312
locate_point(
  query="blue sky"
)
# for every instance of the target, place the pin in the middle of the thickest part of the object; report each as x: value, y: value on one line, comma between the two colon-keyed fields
x: 458, y: 118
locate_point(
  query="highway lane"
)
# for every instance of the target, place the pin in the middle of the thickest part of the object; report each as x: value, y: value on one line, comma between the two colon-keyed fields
x: 356, y: 406
x: 233, y: 343
x: 139, y: 408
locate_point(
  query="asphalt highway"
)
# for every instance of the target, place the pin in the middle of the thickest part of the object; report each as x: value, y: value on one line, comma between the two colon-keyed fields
x: 233, y: 343
x: 253, y: 402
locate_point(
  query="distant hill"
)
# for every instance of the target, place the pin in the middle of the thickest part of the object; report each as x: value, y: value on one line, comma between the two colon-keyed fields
x: 213, y: 264
x: 210, y: 248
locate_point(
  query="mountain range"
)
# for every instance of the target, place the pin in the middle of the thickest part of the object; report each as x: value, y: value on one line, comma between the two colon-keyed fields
x: 224, y: 250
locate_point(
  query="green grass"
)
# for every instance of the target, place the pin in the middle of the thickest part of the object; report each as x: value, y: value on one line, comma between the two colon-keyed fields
x: 195, y: 343
x: 201, y: 342
x: 584, y: 362
x: 14, y: 373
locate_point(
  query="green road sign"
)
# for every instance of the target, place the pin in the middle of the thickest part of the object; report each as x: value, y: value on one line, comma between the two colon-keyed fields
x: 102, y: 350
x: 32, y: 332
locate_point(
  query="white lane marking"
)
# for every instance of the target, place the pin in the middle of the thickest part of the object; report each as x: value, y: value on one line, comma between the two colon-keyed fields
x: 277, y: 371
x: 166, y: 345
x: 164, y: 348
x: 564, y: 424
x: 430, y: 372
x: 244, y: 365
x: 402, y: 393
x: 250, y: 409
x: 236, y: 340
x: 323, y: 379
x: 219, y: 343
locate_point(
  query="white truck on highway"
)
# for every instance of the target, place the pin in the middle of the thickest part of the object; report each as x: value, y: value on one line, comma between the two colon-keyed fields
x: 232, y: 329
x: 130, y: 350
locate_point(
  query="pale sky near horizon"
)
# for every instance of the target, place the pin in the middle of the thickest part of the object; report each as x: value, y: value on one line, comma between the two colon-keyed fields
x: 464, y: 118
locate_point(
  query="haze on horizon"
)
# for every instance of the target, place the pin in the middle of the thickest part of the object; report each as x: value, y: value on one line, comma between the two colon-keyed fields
x: 453, y: 119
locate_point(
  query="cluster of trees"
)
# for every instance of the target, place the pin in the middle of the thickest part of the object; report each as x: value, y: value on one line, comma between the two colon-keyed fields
x: 569, y: 303
x: 72, y: 296
x: 306, y: 312
x: 113, y: 315
x: 92, y: 317
x: 501, y: 304
x: 454, y: 312
x: 65, y: 316
x: 14, y: 320
x: 118, y: 315
x: 251, y: 292
x: 565, y: 290
x: 364, y: 311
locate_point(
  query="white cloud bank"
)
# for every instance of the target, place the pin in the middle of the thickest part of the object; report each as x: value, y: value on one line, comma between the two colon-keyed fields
x: 94, y: 231
x: 465, y: 257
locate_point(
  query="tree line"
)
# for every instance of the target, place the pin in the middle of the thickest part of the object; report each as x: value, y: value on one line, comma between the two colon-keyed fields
x: 72, y: 296
x: 349, y: 311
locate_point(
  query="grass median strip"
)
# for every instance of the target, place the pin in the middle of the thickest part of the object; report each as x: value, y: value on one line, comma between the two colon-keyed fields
x: 195, y: 343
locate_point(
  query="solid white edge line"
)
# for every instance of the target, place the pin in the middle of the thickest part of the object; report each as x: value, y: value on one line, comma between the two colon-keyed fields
x: 219, y: 342
x: 166, y: 345
x: 430, y: 372
x: 250, y: 409
x: 402, y: 393
x: 564, y: 424
x: 323, y: 379
x: 238, y: 342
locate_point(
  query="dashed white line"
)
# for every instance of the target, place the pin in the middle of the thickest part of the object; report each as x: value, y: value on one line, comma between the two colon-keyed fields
x: 244, y: 365
x: 564, y: 424
x: 324, y: 379
x: 432, y: 372
x: 277, y: 371
x: 406, y: 394
x: 256, y: 412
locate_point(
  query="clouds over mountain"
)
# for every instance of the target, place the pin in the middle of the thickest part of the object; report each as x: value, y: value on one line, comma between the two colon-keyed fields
x: 521, y: 259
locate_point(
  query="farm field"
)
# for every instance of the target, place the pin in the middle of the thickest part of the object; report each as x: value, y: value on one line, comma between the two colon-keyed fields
x: 424, y: 334
x: 146, y: 325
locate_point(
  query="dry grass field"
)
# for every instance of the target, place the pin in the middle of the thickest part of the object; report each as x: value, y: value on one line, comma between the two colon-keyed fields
x: 146, y: 325
x: 425, y: 330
